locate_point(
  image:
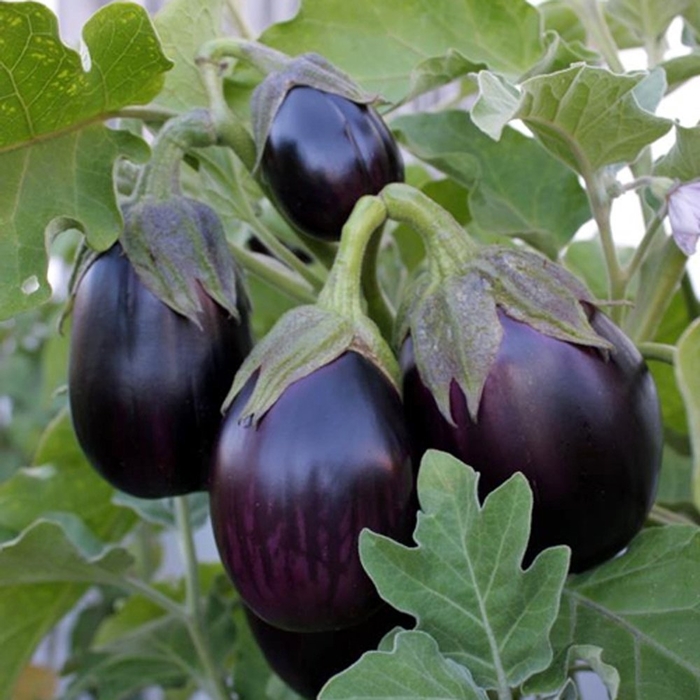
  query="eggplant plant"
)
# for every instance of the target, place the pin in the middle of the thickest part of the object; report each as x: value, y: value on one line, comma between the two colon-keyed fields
x: 353, y: 304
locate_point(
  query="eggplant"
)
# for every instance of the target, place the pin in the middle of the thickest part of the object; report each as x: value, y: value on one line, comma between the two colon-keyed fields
x: 323, y: 153
x: 305, y: 661
x: 583, y: 426
x: 291, y: 492
x: 146, y: 384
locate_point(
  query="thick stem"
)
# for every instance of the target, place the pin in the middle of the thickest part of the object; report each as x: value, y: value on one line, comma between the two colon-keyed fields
x: 448, y: 246
x: 664, y: 516
x: 196, y: 627
x: 591, y: 16
x: 264, y: 58
x: 342, y: 291
x: 659, y: 352
x: 653, y: 299
x: 160, y: 178
x: 378, y: 306
x: 230, y: 130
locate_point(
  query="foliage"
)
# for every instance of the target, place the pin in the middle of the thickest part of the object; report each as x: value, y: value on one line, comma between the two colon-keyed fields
x: 539, y: 130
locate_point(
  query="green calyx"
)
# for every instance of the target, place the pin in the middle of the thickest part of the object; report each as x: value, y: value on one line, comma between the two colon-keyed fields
x: 310, y: 70
x: 450, y: 309
x: 179, y: 251
x: 311, y: 336
x: 177, y: 245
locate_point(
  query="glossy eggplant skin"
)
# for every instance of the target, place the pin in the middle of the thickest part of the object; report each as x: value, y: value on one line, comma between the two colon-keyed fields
x: 322, y: 154
x: 305, y: 661
x: 146, y: 384
x: 290, y: 494
x: 585, y: 430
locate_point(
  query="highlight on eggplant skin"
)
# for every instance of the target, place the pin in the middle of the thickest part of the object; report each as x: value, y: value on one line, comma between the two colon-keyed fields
x: 305, y: 661
x: 290, y: 494
x: 583, y: 427
x: 323, y: 153
x: 145, y: 383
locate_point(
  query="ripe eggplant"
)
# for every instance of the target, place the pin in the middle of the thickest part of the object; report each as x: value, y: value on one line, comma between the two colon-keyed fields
x: 305, y: 661
x: 145, y: 383
x: 583, y: 427
x: 322, y: 154
x: 291, y: 493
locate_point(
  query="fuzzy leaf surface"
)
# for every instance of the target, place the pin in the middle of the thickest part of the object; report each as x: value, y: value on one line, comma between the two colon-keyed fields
x: 413, y: 668
x: 398, y: 47
x: 43, y: 574
x: 683, y: 159
x: 52, y: 141
x: 464, y: 582
x: 516, y: 188
x: 643, y: 610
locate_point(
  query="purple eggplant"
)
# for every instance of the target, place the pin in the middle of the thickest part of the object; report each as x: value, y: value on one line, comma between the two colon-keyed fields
x: 323, y: 153
x: 582, y: 425
x: 305, y: 661
x: 145, y: 383
x: 291, y: 493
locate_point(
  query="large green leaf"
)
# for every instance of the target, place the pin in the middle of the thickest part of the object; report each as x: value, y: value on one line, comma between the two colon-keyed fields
x: 55, y: 156
x: 43, y: 574
x: 414, y: 668
x: 464, y: 582
x: 400, y: 47
x: 648, y: 20
x: 689, y: 382
x: 588, y: 117
x: 643, y: 610
x: 62, y: 481
x: 515, y: 187
x: 183, y: 26
x: 683, y: 159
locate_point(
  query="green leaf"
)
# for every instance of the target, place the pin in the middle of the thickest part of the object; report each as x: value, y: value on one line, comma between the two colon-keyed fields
x: 51, y: 140
x: 675, y: 484
x: 515, y: 187
x: 648, y: 20
x: 683, y: 160
x: 43, y: 574
x: 689, y: 383
x: 62, y: 481
x: 679, y: 69
x: 398, y: 47
x: 464, y: 582
x: 413, y: 668
x: 643, y: 609
x: 589, y: 117
x: 183, y: 26
x: 44, y: 87
x: 77, y: 170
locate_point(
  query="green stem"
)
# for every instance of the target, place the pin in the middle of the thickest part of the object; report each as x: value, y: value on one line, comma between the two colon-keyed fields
x: 591, y: 16
x: 643, y: 248
x: 378, y: 306
x: 665, y: 516
x: 659, y: 352
x: 280, y: 279
x: 342, y: 291
x: 261, y: 57
x: 600, y: 207
x: 136, y: 586
x: 216, y: 684
x: 160, y: 178
x: 448, y: 246
x: 146, y: 114
x: 691, y: 301
x: 653, y: 300
x: 230, y: 130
